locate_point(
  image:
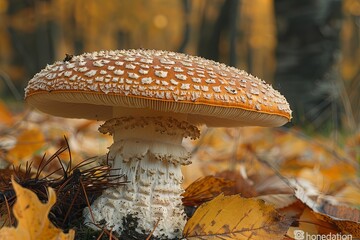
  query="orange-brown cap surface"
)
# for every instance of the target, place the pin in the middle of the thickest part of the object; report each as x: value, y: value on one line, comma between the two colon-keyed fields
x: 91, y: 84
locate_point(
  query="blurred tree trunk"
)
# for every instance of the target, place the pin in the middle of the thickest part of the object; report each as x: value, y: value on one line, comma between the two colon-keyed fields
x: 217, y: 28
x: 186, y: 4
x: 308, y: 42
x: 32, y: 40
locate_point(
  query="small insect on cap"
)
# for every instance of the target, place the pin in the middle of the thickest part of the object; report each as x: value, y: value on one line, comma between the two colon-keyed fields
x: 208, y: 92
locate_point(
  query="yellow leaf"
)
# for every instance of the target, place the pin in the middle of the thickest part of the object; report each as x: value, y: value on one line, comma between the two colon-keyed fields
x: 233, y: 217
x: 32, y: 216
x: 28, y: 143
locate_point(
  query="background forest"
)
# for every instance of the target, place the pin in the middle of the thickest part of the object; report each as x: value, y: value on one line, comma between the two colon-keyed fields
x: 309, y: 50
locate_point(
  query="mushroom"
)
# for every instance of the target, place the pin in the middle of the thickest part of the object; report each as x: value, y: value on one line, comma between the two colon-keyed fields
x: 150, y: 100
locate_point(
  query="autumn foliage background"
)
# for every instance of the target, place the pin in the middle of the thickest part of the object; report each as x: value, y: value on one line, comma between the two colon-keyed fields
x: 306, y: 172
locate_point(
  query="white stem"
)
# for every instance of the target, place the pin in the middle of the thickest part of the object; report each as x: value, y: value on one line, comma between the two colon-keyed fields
x: 148, y: 151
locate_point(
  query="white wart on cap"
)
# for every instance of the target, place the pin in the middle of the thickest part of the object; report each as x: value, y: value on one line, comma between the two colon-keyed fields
x: 208, y: 92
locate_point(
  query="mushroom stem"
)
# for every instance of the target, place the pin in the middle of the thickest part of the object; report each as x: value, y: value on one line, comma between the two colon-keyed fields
x: 148, y: 151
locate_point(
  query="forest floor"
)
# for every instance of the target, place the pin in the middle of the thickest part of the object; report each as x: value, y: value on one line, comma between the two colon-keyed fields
x: 283, y: 183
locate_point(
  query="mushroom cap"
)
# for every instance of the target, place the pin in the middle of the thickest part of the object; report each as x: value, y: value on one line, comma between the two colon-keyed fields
x: 208, y: 92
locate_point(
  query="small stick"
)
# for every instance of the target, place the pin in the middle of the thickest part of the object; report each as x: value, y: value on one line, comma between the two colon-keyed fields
x: 87, y: 201
x: 102, y: 233
x: 71, y: 205
x: 152, y: 232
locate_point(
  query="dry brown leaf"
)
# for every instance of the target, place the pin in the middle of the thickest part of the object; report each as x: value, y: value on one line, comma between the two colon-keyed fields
x: 205, y: 189
x: 342, y: 212
x: 292, y: 211
x: 28, y: 143
x: 32, y: 216
x: 309, y: 224
x: 242, y: 186
x: 233, y: 217
x: 320, y: 218
x: 345, y: 218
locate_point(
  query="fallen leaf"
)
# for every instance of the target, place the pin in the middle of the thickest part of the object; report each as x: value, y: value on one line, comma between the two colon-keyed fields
x: 32, y: 216
x: 28, y: 142
x: 205, y: 189
x: 278, y: 200
x: 268, y: 184
x: 342, y: 212
x: 325, y: 218
x: 234, y: 217
x: 292, y: 211
x: 6, y: 117
x: 306, y: 193
x: 329, y: 178
x: 345, y: 218
x: 242, y: 186
x: 311, y: 225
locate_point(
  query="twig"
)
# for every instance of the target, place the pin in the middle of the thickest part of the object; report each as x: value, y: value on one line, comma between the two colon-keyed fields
x: 71, y: 205
x: 87, y: 201
x: 101, y: 234
x: 152, y: 232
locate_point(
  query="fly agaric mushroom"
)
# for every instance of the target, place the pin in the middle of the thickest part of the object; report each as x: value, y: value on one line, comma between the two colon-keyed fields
x: 150, y: 101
